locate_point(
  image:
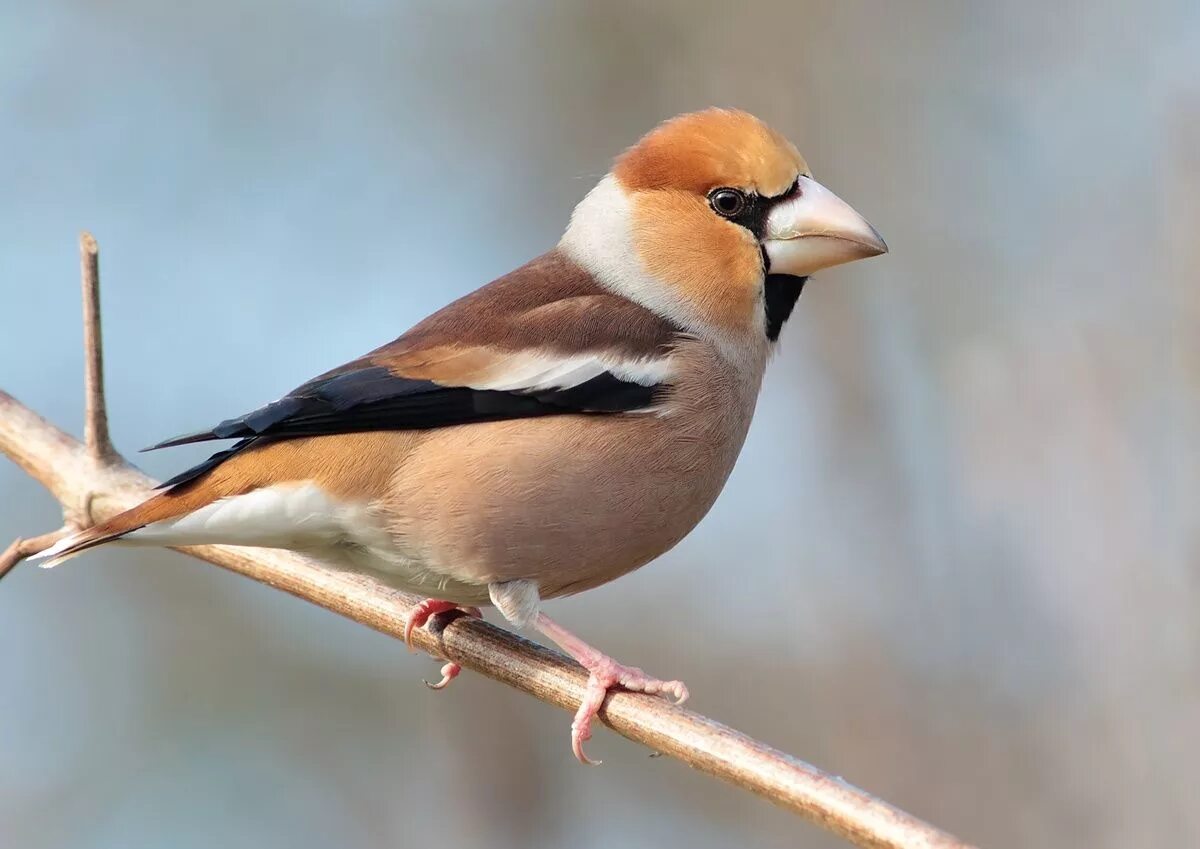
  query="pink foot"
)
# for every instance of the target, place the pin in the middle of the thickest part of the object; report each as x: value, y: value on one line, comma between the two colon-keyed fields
x: 604, y: 673
x: 421, y: 614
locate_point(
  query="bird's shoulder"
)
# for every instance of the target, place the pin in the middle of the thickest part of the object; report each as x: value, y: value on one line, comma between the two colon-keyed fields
x: 551, y: 304
x: 545, y: 339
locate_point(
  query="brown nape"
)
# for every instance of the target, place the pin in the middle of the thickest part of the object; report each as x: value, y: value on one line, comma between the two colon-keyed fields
x: 700, y: 151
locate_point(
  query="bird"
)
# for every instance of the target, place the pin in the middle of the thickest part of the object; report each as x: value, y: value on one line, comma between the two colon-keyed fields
x: 556, y: 429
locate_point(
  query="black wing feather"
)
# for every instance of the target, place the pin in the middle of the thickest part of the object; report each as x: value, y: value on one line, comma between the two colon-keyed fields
x: 373, y: 398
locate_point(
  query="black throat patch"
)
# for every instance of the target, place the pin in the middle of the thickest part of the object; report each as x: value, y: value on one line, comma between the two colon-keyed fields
x: 781, y: 292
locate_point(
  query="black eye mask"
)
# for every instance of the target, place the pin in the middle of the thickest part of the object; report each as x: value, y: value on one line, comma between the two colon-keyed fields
x: 753, y: 215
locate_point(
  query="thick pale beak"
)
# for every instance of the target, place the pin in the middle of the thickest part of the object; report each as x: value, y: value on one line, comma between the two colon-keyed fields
x: 816, y: 229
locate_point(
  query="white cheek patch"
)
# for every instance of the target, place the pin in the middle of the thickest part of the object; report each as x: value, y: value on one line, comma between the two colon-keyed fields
x: 600, y: 239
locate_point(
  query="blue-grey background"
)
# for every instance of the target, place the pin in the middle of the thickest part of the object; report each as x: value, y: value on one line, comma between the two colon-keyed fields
x: 957, y: 562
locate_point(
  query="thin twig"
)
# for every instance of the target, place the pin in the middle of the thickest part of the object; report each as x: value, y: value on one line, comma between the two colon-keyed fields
x: 95, y: 423
x: 22, y: 548
x: 72, y: 473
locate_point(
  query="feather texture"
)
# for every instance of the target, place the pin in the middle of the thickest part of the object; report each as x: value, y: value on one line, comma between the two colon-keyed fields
x: 590, y: 352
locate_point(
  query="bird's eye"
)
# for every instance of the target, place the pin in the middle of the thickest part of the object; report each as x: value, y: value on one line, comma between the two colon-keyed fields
x: 727, y: 202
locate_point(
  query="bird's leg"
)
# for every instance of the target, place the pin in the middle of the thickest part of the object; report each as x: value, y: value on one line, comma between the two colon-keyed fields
x: 603, y: 674
x: 519, y: 601
x: 451, y: 669
x: 421, y: 614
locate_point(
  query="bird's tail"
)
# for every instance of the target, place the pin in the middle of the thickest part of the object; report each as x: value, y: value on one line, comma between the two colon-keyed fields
x: 161, y: 507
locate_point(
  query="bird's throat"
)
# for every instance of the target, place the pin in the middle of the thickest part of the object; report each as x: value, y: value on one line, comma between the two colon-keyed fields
x: 781, y: 292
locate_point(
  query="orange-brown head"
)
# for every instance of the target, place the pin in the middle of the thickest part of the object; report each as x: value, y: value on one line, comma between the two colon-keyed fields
x: 697, y: 217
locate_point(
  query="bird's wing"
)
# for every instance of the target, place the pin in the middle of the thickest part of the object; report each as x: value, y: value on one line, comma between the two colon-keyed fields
x: 544, y: 340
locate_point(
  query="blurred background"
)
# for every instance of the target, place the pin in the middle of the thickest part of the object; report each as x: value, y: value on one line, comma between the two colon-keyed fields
x: 956, y: 562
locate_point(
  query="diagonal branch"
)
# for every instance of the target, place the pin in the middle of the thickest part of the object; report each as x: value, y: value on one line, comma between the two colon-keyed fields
x: 93, y: 474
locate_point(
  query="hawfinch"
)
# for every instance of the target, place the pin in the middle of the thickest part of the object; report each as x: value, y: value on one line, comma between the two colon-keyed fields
x: 555, y: 429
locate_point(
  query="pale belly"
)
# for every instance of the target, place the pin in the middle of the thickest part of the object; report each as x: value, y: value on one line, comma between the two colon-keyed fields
x: 301, y: 517
x: 568, y: 505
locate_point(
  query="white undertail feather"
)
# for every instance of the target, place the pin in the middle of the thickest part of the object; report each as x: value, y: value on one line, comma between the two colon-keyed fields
x: 293, y: 515
x: 298, y: 516
x: 50, y: 555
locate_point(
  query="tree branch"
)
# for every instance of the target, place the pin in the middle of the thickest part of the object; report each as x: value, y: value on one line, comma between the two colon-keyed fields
x: 94, y: 475
x: 22, y: 548
x: 95, y: 423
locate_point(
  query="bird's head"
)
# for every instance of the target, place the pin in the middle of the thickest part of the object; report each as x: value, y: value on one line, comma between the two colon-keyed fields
x: 713, y: 219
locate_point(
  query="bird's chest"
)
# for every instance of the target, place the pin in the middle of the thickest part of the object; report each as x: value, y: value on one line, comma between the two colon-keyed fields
x: 571, y: 501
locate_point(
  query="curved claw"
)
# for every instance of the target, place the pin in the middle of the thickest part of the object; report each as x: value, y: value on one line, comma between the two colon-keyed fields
x: 449, y: 673
x: 578, y: 736
x: 420, y: 614
x: 605, y: 676
x: 581, y: 726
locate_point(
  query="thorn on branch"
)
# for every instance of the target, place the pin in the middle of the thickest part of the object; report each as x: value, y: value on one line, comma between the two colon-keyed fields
x: 95, y: 422
x: 95, y: 425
